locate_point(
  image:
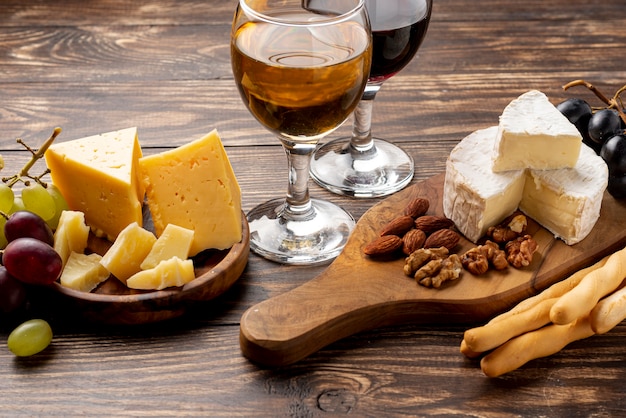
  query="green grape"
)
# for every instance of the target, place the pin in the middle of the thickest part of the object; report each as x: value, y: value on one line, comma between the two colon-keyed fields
x: 3, y: 239
x: 37, y: 200
x: 60, y: 205
x: 18, y: 204
x: 30, y: 338
x: 6, y: 197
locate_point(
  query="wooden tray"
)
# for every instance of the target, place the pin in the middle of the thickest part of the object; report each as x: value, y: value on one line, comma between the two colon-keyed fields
x: 356, y: 293
x: 114, y: 303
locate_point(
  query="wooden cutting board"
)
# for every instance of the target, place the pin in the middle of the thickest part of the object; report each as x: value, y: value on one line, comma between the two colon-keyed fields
x: 356, y: 292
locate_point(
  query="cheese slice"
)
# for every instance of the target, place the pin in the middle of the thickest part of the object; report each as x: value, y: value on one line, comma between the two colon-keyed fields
x: 533, y: 133
x: 567, y: 202
x: 194, y: 187
x: 97, y: 175
x: 175, y: 241
x: 168, y: 273
x: 124, y: 257
x: 71, y: 234
x: 83, y: 272
x: 475, y: 198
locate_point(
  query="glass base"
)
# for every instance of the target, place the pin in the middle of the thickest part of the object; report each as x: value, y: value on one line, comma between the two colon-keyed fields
x: 315, y: 239
x: 381, y: 171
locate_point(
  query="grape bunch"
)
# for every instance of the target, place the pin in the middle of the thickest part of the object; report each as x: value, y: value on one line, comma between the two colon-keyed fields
x: 603, y: 129
x: 36, y: 196
x: 27, y: 221
x: 28, y: 259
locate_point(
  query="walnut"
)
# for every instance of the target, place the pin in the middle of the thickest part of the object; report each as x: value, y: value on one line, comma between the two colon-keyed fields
x: 499, y: 261
x: 429, y: 269
x: 478, y: 259
x: 519, y: 252
x: 475, y: 261
x: 450, y: 269
x: 422, y: 256
x: 511, y: 228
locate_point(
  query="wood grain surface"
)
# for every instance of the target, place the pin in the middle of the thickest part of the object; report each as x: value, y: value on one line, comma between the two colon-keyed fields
x: 93, y: 66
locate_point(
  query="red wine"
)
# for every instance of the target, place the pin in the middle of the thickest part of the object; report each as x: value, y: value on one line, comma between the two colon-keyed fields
x: 395, y: 38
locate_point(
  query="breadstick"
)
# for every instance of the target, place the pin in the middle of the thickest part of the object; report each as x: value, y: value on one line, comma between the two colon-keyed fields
x: 493, y: 334
x: 554, y: 291
x: 540, y: 343
x: 465, y: 350
x: 579, y: 301
x: 535, y: 303
x: 609, y: 312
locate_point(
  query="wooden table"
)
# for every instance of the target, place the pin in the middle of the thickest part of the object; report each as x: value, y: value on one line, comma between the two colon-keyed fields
x: 163, y: 66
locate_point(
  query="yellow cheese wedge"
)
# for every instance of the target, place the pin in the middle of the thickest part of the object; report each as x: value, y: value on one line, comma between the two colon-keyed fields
x: 168, y: 273
x: 83, y: 272
x: 97, y: 175
x: 194, y: 186
x: 175, y: 241
x: 130, y: 248
x: 71, y: 234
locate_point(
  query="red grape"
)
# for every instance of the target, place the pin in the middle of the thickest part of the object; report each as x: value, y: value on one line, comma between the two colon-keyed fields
x: 12, y: 292
x: 32, y: 261
x: 23, y: 224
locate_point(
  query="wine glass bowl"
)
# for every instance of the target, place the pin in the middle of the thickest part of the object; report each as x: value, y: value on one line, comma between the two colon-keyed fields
x: 364, y: 166
x: 301, y: 67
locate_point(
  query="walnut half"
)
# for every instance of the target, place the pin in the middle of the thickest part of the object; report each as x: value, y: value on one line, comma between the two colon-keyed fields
x: 448, y: 269
x: 519, y: 252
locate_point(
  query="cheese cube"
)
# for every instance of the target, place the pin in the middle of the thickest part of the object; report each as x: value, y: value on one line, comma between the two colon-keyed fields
x: 194, y: 186
x: 130, y: 248
x: 83, y: 272
x: 175, y: 241
x: 71, y: 234
x: 533, y: 133
x: 475, y: 198
x: 97, y: 175
x: 168, y: 273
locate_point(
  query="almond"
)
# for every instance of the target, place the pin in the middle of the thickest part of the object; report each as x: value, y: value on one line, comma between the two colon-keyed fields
x: 417, y: 207
x: 383, y: 245
x: 399, y: 226
x: 430, y: 223
x: 443, y: 238
x: 413, y: 240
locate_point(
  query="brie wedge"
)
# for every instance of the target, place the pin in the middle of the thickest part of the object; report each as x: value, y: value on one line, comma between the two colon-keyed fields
x: 474, y: 197
x: 567, y: 201
x: 533, y: 133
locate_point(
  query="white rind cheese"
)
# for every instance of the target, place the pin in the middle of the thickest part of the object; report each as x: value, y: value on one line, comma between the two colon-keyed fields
x: 475, y: 198
x: 567, y: 201
x: 533, y: 133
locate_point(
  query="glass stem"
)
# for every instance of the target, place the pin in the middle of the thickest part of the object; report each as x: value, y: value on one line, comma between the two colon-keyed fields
x: 361, y: 142
x: 298, y: 203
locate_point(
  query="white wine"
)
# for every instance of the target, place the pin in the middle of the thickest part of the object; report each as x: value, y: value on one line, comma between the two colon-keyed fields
x: 301, y: 82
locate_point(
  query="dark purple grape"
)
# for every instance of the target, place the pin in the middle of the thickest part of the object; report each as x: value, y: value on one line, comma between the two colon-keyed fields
x: 614, y: 154
x: 617, y: 186
x: 32, y: 261
x: 604, y: 124
x: 12, y: 292
x: 575, y: 110
x: 23, y: 224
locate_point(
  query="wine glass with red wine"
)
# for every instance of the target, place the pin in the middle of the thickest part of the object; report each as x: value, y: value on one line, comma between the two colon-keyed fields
x: 301, y: 67
x: 364, y: 166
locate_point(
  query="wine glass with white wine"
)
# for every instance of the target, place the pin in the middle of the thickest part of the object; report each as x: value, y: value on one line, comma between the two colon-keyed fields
x: 364, y: 166
x: 301, y: 67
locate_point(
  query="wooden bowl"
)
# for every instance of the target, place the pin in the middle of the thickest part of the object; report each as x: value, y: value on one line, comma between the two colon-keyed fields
x: 114, y: 303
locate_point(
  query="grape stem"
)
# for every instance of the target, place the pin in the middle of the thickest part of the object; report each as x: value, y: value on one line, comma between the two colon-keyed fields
x: 613, y: 103
x: 37, y: 154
